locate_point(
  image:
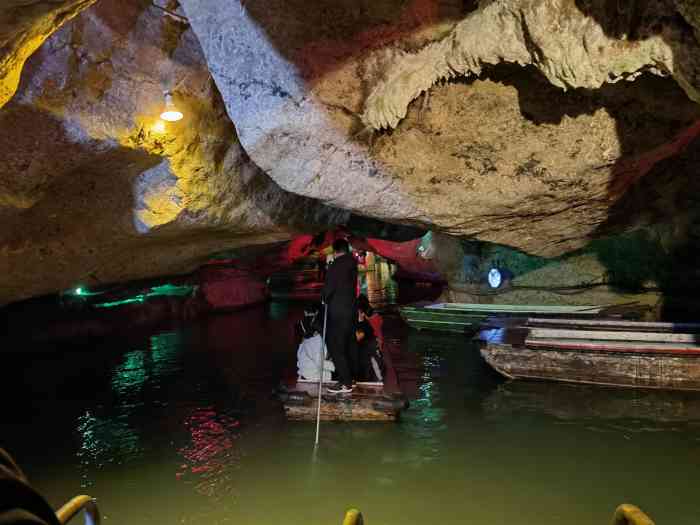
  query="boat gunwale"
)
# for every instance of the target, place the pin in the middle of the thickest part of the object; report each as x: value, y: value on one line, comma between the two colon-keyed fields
x: 535, y: 322
x: 600, y: 349
x: 607, y: 347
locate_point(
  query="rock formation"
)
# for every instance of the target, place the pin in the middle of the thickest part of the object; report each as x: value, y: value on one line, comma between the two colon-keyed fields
x: 573, y: 101
x: 94, y: 189
x: 537, y: 124
x: 24, y: 25
x: 582, y: 44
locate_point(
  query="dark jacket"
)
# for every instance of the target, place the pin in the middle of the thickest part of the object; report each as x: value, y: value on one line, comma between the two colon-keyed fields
x: 20, y: 504
x: 340, y: 288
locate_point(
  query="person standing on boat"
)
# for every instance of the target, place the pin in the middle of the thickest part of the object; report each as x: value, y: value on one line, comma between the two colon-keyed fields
x: 339, y: 292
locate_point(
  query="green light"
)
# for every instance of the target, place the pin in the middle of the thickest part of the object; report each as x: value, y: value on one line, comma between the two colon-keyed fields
x: 130, y: 300
x: 156, y: 291
x: 79, y: 291
x: 171, y: 289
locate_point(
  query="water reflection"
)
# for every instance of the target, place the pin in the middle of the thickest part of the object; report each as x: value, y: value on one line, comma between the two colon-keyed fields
x: 145, y: 368
x: 111, y: 432
x: 211, y: 458
x: 631, y: 410
x: 104, y: 440
x: 182, y: 424
x: 377, y: 282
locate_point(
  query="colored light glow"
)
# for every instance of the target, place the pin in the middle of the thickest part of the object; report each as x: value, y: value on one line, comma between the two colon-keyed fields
x: 159, y: 127
x: 122, y: 302
x: 495, y: 278
x: 165, y: 289
x: 79, y: 291
x: 172, y: 289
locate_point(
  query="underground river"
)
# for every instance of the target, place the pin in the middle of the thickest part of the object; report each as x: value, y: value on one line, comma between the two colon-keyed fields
x: 179, y: 426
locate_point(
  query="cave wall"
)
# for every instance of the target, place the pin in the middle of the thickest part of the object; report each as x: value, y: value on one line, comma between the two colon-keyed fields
x: 24, y: 25
x: 643, y: 268
x: 92, y: 191
x: 542, y: 125
x: 522, y: 123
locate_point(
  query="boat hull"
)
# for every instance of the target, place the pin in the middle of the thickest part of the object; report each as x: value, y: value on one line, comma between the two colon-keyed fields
x: 368, y: 402
x: 626, y: 369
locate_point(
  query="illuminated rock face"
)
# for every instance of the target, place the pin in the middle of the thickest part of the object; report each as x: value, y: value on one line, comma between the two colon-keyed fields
x: 537, y: 124
x: 508, y: 157
x: 93, y: 190
x: 24, y: 25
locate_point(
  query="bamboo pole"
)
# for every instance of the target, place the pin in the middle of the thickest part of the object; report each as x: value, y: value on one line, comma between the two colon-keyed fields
x: 320, y: 375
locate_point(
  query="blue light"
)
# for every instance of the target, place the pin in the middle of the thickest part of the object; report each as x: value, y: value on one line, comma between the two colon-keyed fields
x: 495, y: 278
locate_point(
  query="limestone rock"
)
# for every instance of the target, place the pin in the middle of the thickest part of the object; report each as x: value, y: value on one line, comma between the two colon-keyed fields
x: 24, y: 25
x: 690, y: 9
x: 290, y: 81
x: 94, y: 189
x: 510, y: 157
x: 574, y: 44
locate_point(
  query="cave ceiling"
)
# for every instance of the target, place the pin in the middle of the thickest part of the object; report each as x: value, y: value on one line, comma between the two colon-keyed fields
x: 529, y: 123
x: 93, y: 192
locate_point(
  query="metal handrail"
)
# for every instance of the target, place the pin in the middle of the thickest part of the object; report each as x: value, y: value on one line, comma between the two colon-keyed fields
x: 353, y: 517
x: 627, y: 514
x: 75, y: 505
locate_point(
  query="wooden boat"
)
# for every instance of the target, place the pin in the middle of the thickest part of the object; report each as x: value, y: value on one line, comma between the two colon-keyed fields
x: 367, y: 402
x: 461, y: 317
x: 603, y: 352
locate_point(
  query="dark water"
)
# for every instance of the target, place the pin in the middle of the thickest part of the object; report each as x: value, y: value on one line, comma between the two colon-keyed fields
x: 179, y: 426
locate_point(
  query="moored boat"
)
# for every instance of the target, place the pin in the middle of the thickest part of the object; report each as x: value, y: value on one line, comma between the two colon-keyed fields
x: 468, y: 317
x: 604, y: 352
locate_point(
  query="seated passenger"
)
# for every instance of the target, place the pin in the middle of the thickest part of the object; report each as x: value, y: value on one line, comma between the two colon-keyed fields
x: 311, y: 349
x: 366, y: 313
x: 370, y: 358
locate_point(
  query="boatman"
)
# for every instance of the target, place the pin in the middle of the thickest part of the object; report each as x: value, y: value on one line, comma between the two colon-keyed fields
x: 338, y: 294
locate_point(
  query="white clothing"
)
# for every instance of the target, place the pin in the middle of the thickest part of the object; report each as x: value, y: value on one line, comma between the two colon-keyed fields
x: 308, y: 360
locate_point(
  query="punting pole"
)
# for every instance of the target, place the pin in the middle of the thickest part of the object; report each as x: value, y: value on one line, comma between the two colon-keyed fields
x: 320, y: 373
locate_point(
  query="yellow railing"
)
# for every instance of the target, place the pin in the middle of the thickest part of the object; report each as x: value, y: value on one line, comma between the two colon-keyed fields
x: 75, y: 505
x: 353, y: 517
x: 625, y: 514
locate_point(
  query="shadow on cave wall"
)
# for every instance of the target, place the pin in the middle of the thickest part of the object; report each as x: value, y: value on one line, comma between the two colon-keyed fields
x: 657, y: 194
x: 666, y: 249
x: 319, y: 38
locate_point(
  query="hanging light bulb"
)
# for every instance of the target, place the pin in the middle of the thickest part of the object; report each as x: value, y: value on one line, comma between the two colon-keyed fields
x: 171, y: 113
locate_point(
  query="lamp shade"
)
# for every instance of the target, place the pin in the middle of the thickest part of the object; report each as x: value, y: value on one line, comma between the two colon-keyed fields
x: 171, y: 113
